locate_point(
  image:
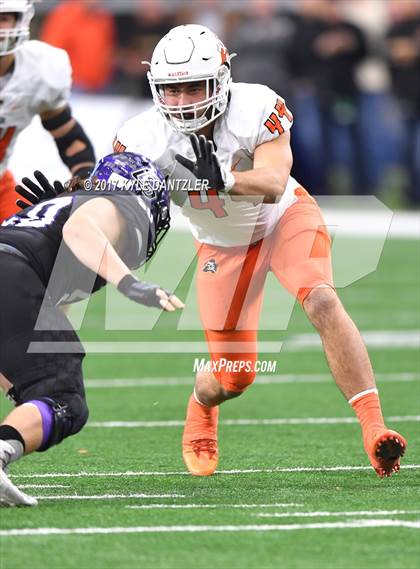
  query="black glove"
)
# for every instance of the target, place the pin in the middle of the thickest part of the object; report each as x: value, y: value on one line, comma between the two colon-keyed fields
x: 207, y: 166
x: 36, y: 193
x: 84, y: 172
x: 140, y: 292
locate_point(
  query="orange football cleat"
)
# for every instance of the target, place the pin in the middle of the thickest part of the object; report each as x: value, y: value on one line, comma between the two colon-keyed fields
x: 200, y: 456
x: 199, y: 441
x: 384, y: 452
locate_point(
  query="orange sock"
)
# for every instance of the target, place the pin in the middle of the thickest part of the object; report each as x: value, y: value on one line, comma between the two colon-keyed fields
x: 368, y: 410
x: 201, y: 421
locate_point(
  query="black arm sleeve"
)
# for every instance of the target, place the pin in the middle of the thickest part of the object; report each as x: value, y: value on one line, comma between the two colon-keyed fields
x: 76, y: 134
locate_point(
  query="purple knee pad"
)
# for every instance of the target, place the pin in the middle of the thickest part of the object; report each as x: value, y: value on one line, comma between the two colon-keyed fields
x: 47, y: 415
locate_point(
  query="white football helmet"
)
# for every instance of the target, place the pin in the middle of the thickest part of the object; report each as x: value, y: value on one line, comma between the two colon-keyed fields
x: 12, y: 38
x: 191, y: 53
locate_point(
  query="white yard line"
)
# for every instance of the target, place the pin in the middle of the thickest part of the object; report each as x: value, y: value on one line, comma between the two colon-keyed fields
x: 24, y: 486
x: 353, y: 524
x: 184, y: 473
x: 145, y: 347
x: 274, y: 514
x: 107, y: 496
x: 246, y: 422
x: 332, y: 514
x: 208, y: 506
x: 373, y: 339
x: 261, y: 380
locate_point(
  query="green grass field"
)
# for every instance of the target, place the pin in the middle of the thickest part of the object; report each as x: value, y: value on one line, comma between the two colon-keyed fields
x: 294, y: 488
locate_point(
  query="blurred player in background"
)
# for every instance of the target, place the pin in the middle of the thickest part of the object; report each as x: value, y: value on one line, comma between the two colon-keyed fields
x: 44, y: 263
x: 254, y: 218
x: 85, y: 30
x: 35, y: 79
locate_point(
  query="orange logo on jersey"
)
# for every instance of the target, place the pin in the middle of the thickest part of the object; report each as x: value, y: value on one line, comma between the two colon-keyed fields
x: 118, y: 147
x: 273, y: 122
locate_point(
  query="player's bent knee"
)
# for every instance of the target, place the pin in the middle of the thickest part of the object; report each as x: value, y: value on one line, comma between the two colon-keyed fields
x: 207, y: 388
x: 70, y: 414
x: 237, y: 382
x: 320, y: 303
x: 207, y: 397
x: 231, y: 394
x: 80, y: 412
x: 230, y: 385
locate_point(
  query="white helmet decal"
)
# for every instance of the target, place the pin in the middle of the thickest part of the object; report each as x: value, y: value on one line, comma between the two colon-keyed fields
x: 186, y: 54
x: 12, y: 38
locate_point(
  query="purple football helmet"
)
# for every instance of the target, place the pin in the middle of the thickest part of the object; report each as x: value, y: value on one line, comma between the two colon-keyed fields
x: 127, y: 171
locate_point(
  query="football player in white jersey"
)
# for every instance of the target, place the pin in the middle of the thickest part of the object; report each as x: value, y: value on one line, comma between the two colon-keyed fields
x: 35, y: 79
x: 253, y: 218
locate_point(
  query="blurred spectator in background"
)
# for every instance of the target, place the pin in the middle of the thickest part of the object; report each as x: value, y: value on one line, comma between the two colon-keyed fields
x: 209, y: 13
x: 309, y: 163
x: 330, y: 59
x: 403, y: 53
x: 378, y: 118
x: 262, y: 41
x: 85, y: 29
x: 138, y: 33
x: 326, y: 51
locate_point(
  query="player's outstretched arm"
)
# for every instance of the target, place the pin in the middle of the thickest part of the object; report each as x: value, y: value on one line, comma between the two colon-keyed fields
x: 268, y: 178
x: 148, y: 294
x: 93, y: 233
x: 206, y: 166
x: 271, y: 170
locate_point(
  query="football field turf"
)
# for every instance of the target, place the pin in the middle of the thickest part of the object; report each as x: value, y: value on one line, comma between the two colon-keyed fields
x: 294, y: 488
